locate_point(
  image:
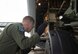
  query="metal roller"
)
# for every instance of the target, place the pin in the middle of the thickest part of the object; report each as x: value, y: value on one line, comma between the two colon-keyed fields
x: 75, y: 24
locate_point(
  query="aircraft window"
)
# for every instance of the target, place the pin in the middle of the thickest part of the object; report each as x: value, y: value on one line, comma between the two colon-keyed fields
x: 13, y: 10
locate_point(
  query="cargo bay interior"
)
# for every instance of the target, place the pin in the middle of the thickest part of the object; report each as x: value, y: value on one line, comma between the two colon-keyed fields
x: 61, y: 34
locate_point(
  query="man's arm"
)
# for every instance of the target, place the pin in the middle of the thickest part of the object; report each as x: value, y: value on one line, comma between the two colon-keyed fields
x: 42, y: 27
x: 22, y: 41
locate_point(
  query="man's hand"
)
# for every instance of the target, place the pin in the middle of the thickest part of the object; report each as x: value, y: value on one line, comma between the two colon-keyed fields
x: 26, y: 51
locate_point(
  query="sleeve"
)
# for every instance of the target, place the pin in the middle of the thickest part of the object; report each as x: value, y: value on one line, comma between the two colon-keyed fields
x: 22, y: 41
x: 42, y: 27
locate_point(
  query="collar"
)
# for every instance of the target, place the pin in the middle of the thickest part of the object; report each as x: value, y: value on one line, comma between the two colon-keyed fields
x: 21, y: 28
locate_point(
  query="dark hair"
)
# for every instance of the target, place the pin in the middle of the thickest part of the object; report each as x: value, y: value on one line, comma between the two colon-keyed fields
x: 29, y: 18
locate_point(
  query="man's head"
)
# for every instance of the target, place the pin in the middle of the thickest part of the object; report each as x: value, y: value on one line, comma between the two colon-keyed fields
x: 28, y: 23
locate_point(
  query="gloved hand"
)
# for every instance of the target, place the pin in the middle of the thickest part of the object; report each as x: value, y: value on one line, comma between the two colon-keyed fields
x: 25, y: 51
x: 42, y: 27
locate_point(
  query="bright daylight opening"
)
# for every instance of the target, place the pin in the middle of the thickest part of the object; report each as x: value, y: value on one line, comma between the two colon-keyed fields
x: 13, y: 10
